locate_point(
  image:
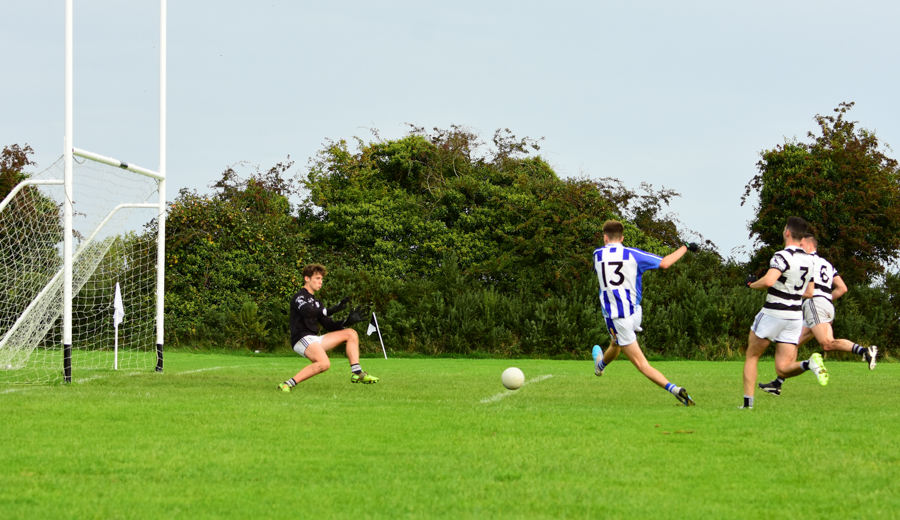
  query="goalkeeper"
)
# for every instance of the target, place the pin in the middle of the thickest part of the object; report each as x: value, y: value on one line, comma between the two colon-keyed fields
x: 307, y: 314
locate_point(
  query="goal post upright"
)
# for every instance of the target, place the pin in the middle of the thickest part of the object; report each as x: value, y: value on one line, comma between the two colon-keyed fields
x: 161, y: 221
x: 68, y: 275
x: 67, y: 179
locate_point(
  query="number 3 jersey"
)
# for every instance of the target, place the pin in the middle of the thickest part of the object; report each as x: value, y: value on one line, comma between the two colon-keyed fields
x: 619, y: 270
x: 785, y: 298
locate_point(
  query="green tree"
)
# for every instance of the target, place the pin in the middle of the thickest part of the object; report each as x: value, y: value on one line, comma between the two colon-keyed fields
x: 13, y: 161
x: 233, y: 260
x: 843, y: 184
x: 399, y: 207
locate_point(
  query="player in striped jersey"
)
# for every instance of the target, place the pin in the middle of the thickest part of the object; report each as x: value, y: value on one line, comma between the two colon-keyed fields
x: 787, y: 281
x: 818, y: 313
x: 619, y: 270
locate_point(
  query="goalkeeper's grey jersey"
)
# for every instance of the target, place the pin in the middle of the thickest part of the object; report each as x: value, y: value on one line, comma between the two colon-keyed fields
x: 784, y: 299
x: 823, y: 275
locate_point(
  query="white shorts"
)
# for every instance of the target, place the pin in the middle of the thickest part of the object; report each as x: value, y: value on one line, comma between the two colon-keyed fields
x: 816, y: 311
x: 777, y: 330
x: 305, y: 341
x: 624, y: 330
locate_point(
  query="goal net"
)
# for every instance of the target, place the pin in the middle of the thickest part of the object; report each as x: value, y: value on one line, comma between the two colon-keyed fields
x: 115, y: 214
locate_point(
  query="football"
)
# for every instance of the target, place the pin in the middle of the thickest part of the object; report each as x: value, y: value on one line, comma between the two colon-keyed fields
x: 512, y: 378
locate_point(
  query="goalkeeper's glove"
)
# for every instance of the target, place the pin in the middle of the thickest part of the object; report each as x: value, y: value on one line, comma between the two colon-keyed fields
x: 338, y: 308
x: 355, y: 316
x: 750, y: 279
x: 692, y: 247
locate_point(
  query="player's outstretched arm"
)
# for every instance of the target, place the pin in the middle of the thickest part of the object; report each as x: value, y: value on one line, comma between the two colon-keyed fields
x: 840, y: 288
x: 673, y: 257
x: 772, y: 276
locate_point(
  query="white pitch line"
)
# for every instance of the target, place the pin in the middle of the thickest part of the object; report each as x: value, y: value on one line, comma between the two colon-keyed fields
x: 501, y: 395
x: 202, y: 370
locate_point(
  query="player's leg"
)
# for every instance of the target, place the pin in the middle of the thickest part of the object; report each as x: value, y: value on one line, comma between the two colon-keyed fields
x: 816, y: 324
x: 756, y: 346
x: 824, y: 335
x: 806, y: 335
x: 319, y: 362
x: 351, y: 338
x: 785, y: 358
x: 786, y: 364
x: 845, y: 345
x: 636, y: 356
x: 787, y: 341
x: 602, y: 359
x: 611, y: 353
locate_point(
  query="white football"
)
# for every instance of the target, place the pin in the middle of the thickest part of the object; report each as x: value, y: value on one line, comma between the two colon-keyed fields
x: 512, y: 378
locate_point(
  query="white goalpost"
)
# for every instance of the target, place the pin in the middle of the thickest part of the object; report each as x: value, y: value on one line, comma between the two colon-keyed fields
x: 69, y: 236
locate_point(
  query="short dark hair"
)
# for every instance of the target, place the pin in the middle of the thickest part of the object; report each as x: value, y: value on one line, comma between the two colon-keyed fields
x: 613, y: 229
x: 812, y: 238
x: 797, y: 227
x: 314, y: 269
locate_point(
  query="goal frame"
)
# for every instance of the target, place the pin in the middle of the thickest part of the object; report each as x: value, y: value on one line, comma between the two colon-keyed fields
x: 69, y: 151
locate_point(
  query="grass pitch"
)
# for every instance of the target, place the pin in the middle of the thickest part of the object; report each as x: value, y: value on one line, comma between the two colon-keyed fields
x: 441, y: 438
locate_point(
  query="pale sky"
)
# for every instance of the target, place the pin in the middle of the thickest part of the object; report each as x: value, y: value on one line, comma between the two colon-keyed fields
x: 677, y: 94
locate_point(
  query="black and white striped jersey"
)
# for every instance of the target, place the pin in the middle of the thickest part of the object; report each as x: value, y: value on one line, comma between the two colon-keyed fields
x: 784, y: 299
x: 823, y: 275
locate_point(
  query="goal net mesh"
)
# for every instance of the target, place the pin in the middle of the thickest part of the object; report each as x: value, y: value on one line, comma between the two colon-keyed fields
x: 110, y: 247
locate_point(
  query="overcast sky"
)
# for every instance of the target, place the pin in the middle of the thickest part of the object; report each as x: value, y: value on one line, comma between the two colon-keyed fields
x: 677, y: 94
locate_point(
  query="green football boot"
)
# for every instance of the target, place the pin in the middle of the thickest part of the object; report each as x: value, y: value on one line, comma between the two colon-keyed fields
x: 363, y: 377
x: 817, y: 366
x: 284, y: 387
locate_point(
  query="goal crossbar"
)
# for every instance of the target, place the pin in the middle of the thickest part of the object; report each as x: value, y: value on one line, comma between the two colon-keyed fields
x: 117, y: 163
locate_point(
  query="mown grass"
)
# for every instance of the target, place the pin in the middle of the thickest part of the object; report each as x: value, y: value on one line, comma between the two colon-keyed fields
x: 440, y: 438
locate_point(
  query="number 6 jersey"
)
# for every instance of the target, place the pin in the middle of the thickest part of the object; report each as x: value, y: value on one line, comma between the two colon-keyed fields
x: 824, y: 274
x: 784, y: 299
x: 619, y: 270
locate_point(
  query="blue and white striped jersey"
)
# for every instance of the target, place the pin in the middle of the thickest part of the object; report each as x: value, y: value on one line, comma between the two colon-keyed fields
x: 619, y: 270
x: 784, y: 299
x: 823, y: 275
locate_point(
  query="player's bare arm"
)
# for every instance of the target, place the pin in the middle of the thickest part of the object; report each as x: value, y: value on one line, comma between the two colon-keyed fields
x: 673, y: 257
x: 772, y: 276
x: 840, y: 288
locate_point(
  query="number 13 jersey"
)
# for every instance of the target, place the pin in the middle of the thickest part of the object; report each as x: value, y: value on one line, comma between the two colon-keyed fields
x: 619, y: 270
x: 784, y: 299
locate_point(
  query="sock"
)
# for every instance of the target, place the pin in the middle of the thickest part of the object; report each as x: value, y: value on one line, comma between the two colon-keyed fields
x: 355, y: 368
x: 672, y: 388
x: 804, y: 365
x: 859, y: 351
x: 291, y: 383
x: 778, y: 381
x: 601, y: 364
x: 748, y: 401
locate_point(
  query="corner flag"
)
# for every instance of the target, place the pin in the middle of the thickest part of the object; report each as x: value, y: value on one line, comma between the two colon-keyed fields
x: 118, y: 316
x: 373, y: 327
x: 119, y: 312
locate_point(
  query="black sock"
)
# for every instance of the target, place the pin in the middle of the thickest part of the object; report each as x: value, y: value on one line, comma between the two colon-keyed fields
x: 778, y: 381
x: 355, y: 368
x: 859, y: 351
x: 805, y: 365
